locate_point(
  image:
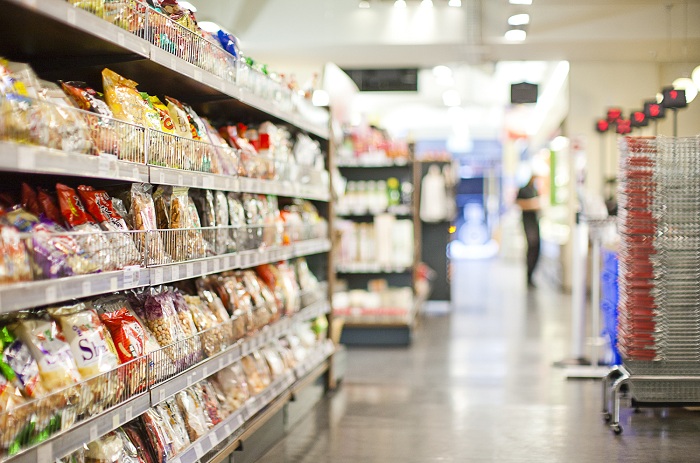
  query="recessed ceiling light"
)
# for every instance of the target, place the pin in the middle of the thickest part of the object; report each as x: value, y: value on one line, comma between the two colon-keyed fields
x: 520, y: 2
x: 455, y: 3
x: 515, y: 35
x: 364, y: 4
x: 400, y: 4
x: 451, y: 98
x: 519, y: 19
x: 426, y: 3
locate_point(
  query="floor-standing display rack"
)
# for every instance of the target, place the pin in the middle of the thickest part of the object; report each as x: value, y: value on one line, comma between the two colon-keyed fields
x: 379, y: 242
x: 659, y: 275
x: 61, y: 41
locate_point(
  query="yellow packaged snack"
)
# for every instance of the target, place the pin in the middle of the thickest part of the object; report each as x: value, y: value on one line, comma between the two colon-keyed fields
x: 126, y: 102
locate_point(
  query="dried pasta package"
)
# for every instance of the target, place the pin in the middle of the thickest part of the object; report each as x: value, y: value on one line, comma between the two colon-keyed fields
x: 52, y: 353
x: 102, y: 129
x: 239, y: 235
x: 224, y: 241
x: 274, y: 361
x: 210, y: 401
x: 130, y: 454
x: 99, y: 204
x: 193, y: 414
x: 143, y: 215
x: 139, y: 439
x: 177, y: 441
x: 160, y: 445
x: 18, y: 366
x: 14, y: 258
x: 95, y: 244
x: 107, y: 449
x: 257, y: 372
x: 233, y: 385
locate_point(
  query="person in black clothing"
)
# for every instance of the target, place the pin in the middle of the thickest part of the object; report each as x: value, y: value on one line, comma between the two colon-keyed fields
x: 528, y: 200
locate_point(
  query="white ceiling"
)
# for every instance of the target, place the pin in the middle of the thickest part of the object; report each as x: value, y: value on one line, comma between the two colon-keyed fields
x: 312, y: 32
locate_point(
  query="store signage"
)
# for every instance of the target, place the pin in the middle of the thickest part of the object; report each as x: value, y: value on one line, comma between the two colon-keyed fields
x: 654, y: 110
x: 639, y: 119
x: 624, y: 126
x: 602, y: 125
x: 674, y: 98
x: 523, y: 93
x: 614, y: 114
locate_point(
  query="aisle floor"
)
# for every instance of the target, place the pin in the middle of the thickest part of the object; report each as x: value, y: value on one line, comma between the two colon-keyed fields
x: 478, y: 385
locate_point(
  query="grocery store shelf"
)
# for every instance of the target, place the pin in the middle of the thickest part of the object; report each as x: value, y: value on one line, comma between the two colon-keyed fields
x: 74, y: 438
x: 360, y: 164
x: 401, y: 210
x: 369, y: 267
x: 19, y: 296
x: 283, y: 188
x: 178, y: 177
x: 17, y: 157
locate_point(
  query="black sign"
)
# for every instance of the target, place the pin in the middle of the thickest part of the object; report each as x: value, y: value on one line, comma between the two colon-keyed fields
x: 639, y: 119
x: 624, y: 126
x: 385, y: 80
x: 654, y: 110
x: 614, y: 114
x: 523, y: 92
x: 674, y: 98
x: 602, y: 125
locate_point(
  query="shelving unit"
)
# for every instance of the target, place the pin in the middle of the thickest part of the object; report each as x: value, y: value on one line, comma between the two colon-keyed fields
x: 379, y: 325
x: 64, y: 42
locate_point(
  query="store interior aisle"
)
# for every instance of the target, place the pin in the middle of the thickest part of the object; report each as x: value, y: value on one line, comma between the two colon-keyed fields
x: 478, y: 385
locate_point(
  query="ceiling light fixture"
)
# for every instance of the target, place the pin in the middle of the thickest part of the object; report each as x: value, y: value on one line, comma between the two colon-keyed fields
x: 519, y: 19
x: 520, y: 2
x: 364, y: 4
x: 400, y: 4
x: 515, y: 35
x: 684, y: 83
x: 451, y: 98
x: 455, y: 3
x: 426, y: 3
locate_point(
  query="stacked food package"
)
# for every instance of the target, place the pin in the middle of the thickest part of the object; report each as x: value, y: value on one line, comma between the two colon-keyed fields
x: 65, y: 363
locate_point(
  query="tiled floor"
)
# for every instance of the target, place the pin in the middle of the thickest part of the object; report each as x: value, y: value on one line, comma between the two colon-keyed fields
x: 478, y: 385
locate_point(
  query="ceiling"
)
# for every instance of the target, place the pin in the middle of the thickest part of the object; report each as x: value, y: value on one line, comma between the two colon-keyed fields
x: 312, y: 32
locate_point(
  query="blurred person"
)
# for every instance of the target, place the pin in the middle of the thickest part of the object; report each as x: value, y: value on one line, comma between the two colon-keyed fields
x: 529, y: 202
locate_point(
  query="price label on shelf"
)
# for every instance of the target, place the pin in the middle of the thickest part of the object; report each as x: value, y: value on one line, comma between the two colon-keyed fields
x: 198, y: 76
x: 115, y: 421
x: 198, y: 450
x: 213, y: 440
x: 173, y: 63
x: 93, y: 433
x: 113, y: 284
x: 227, y: 429
x: 204, y: 265
x: 45, y: 452
x: 161, y: 177
x: 132, y: 275
x: 51, y: 294
x: 86, y: 288
x: 205, y: 372
x: 222, y: 363
x: 128, y: 414
x: 158, y: 275
x: 120, y: 39
x: 161, y: 395
x: 189, y: 380
x: 70, y: 16
x: 180, y: 180
x: 175, y: 272
x: 106, y: 164
x: 136, y: 173
x: 190, y: 269
x: 26, y: 158
x: 208, y: 182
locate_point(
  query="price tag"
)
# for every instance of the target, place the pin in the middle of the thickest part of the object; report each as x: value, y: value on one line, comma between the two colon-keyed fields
x: 136, y: 173
x: 51, y: 294
x: 190, y: 270
x: 93, y: 433
x: 205, y: 372
x: 132, y: 275
x: 221, y: 363
x: 113, y: 284
x: 106, y: 164
x: 173, y: 63
x: 208, y: 182
x: 213, y: 440
x: 120, y: 39
x: 158, y: 275
x: 198, y: 75
x: 217, y: 265
x: 189, y: 380
x: 86, y: 288
x: 227, y: 184
x: 161, y: 395
x: 198, y: 450
x: 205, y: 267
x: 161, y: 177
x: 45, y: 452
x: 175, y: 272
x: 26, y: 158
x: 128, y: 414
x: 70, y: 17
x: 115, y: 421
x: 180, y: 180
x: 227, y: 429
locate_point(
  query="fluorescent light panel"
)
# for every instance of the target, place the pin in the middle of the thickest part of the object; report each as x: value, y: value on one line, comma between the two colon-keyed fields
x: 520, y: 2
x: 515, y: 35
x: 400, y: 4
x: 455, y: 3
x: 364, y: 4
x: 519, y: 19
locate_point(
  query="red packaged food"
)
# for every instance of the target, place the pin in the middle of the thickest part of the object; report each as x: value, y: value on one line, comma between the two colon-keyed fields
x: 153, y: 423
x: 127, y: 334
x: 137, y: 436
x: 99, y: 204
x: 86, y: 97
x: 30, y: 201
x: 49, y: 207
x: 72, y: 208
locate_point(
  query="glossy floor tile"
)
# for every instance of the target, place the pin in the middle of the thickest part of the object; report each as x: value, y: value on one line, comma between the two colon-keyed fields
x: 478, y: 385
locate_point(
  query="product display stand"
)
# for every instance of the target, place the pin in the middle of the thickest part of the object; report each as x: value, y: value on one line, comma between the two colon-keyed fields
x: 61, y: 41
x: 379, y: 325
